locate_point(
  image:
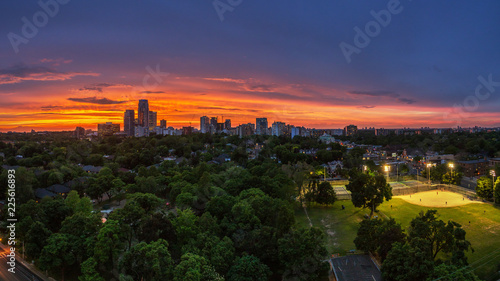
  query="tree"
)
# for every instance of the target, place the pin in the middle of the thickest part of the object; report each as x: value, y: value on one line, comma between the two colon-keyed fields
x: 442, y: 237
x: 57, y: 254
x: 496, y: 191
x: 89, y: 272
x: 449, y: 272
x: 484, y: 187
x: 326, y: 194
x: 301, y: 252
x: 36, y: 239
x: 195, y: 268
x: 110, y: 242
x: 368, y: 190
x: 148, y: 261
x: 82, y: 229
x: 409, y: 262
x: 378, y: 236
x: 248, y: 268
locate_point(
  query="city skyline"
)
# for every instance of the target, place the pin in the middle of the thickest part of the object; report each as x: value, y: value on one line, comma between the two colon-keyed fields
x: 408, y: 74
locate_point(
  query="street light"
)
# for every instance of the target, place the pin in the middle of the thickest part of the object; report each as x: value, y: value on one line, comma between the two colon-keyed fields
x: 387, y: 169
x: 365, y: 168
x: 451, y: 165
x: 493, y: 174
x: 429, y: 166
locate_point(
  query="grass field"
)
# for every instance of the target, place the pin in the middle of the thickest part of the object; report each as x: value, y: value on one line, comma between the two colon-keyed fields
x: 483, y: 231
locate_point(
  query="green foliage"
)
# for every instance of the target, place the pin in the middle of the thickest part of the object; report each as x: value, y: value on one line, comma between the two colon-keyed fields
x: 409, y: 262
x: 368, y: 190
x: 378, y: 236
x: 57, y: 254
x: 248, y: 268
x: 301, y: 252
x: 89, y: 272
x: 449, y: 272
x: 484, y: 187
x: 148, y: 261
x: 195, y: 268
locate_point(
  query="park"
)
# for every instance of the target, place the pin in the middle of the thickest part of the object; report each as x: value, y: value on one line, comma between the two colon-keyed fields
x: 481, y: 221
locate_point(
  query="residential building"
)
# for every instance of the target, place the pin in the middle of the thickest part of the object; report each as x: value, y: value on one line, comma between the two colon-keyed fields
x: 204, y: 124
x: 163, y: 123
x: 261, y: 126
x: 473, y: 168
x: 107, y: 129
x: 143, y: 113
x: 278, y: 128
x: 350, y: 130
x: 129, y: 123
x: 227, y: 125
x: 79, y: 132
x: 152, y: 120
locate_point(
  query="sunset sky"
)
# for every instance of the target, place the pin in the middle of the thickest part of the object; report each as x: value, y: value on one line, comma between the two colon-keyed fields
x: 92, y: 60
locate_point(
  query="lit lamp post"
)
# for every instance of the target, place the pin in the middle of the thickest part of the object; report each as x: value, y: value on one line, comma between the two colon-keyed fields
x: 387, y: 169
x: 451, y: 165
x: 365, y: 168
x: 493, y: 175
x: 429, y: 168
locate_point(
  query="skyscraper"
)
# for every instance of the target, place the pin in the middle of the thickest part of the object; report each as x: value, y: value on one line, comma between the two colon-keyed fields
x: 107, y: 129
x: 152, y: 120
x: 163, y: 123
x: 143, y: 113
x: 261, y: 126
x: 227, y: 124
x: 129, y: 123
x: 204, y: 124
x: 213, y: 124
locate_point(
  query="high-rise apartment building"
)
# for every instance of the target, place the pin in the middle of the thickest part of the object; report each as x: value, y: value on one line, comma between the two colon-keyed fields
x: 152, y: 120
x: 227, y: 125
x: 261, y: 126
x: 163, y: 123
x: 143, y: 113
x: 350, y: 130
x: 129, y: 123
x: 204, y: 124
x: 278, y: 129
x: 79, y: 132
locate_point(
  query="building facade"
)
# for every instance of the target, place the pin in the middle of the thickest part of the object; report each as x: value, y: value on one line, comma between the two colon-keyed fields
x: 261, y: 126
x: 129, y: 123
x: 143, y: 113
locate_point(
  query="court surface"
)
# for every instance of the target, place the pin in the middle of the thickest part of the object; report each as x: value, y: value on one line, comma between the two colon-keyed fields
x: 437, y: 198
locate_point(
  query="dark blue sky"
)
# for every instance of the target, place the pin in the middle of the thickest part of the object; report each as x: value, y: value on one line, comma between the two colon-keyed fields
x: 427, y: 58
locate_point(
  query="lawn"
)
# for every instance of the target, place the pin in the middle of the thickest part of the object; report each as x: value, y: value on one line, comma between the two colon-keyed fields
x: 340, y: 225
x: 483, y: 231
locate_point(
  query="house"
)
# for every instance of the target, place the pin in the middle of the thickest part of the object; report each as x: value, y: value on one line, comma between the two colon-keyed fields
x: 59, y: 189
x: 92, y: 169
x: 41, y: 193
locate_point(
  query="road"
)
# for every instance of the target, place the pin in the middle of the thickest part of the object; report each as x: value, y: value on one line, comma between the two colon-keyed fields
x: 21, y: 272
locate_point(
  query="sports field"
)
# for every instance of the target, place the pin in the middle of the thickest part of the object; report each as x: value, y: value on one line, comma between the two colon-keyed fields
x: 437, y: 198
x: 480, y: 221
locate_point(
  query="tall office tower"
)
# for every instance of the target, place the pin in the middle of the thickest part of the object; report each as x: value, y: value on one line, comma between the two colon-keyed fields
x: 204, y: 124
x: 152, y: 120
x: 129, y: 123
x: 143, y: 113
x: 227, y: 125
x: 163, y: 123
x: 261, y: 126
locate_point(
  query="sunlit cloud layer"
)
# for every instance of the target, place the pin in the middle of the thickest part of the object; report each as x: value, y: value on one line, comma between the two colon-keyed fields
x: 279, y: 59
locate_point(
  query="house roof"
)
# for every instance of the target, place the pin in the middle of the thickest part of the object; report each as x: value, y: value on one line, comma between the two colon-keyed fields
x: 58, y: 188
x: 42, y: 192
